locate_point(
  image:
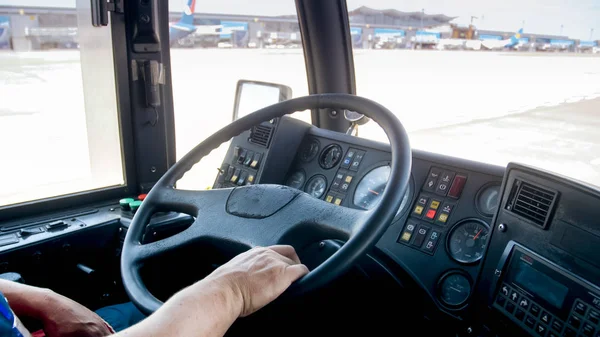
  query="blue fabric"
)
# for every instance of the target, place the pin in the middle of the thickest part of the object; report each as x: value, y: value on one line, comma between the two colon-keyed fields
x: 7, y: 320
x: 121, y: 316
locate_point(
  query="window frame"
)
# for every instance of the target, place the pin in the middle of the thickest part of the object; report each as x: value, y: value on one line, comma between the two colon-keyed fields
x: 327, y: 40
x: 57, y: 203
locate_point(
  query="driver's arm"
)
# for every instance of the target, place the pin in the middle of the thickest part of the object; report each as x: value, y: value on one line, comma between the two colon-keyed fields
x: 59, y: 315
x: 238, y: 288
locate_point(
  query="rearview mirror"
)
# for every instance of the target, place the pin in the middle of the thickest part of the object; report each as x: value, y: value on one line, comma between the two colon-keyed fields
x: 253, y: 95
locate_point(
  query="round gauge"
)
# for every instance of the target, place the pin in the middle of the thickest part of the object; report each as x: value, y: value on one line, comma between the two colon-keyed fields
x: 488, y: 199
x: 454, y: 289
x: 316, y: 186
x: 296, y: 180
x: 309, y: 150
x: 330, y: 156
x: 467, y: 240
x: 368, y: 192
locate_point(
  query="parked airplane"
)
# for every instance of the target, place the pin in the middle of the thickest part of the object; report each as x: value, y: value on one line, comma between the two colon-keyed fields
x: 185, y: 26
x: 501, y: 44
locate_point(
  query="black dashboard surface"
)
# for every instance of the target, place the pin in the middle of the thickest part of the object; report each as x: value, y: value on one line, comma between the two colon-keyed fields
x: 494, y: 218
x: 444, y: 193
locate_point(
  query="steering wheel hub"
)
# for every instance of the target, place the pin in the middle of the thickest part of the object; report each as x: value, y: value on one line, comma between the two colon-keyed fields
x: 259, y: 201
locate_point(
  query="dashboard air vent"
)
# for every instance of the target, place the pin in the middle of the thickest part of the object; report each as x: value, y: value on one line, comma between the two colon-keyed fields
x: 531, y: 202
x: 261, y: 135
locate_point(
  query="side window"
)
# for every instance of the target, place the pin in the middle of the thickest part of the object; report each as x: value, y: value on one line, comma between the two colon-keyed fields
x: 59, y: 130
x: 213, y: 45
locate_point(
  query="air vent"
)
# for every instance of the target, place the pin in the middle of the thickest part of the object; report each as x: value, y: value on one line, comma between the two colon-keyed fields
x: 531, y: 202
x: 261, y: 135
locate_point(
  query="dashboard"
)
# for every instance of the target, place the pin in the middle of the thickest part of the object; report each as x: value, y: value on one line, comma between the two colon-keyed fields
x: 504, y: 251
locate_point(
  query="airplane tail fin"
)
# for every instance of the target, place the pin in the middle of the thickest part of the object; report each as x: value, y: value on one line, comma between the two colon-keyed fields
x: 515, y: 38
x: 188, y: 13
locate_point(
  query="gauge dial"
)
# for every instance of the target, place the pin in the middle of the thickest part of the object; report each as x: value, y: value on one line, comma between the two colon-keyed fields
x: 316, y: 186
x: 309, y: 150
x: 369, y: 190
x: 467, y: 241
x: 296, y: 180
x: 330, y: 156
x: 454, y: 289
x: 487, y: 199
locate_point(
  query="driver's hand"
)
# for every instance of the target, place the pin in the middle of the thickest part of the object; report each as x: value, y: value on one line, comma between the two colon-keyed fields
x: 259, y: 275
x: 65, y: 317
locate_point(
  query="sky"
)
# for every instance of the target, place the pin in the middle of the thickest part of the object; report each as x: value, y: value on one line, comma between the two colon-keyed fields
x: 576, y: 17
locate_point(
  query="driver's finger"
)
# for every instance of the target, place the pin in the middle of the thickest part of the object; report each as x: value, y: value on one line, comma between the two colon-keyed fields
x: 284, y: 259
x: 294, y: 272
x: 287, y: 251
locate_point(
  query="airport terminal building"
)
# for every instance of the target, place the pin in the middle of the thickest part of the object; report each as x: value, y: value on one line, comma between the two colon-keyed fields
x: 41, y: 28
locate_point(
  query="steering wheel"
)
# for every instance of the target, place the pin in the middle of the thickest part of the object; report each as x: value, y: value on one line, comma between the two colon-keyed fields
x: 264, y: 215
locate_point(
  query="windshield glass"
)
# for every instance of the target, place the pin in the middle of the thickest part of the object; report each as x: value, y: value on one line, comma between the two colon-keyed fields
x: 489, y: 81
x: 59, y: 131
x: 229, y: 40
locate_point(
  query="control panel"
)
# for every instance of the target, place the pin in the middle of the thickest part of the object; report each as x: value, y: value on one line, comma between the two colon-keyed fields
x: 545, y: 299
x: 345, y: 176
x: 32, y: 230
x: 241, y: 170
x: 432, y: 209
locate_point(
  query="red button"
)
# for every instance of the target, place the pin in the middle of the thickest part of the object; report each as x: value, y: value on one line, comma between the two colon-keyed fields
x: 142, y: 196
x: 430, y: 214
x: 457, y: 186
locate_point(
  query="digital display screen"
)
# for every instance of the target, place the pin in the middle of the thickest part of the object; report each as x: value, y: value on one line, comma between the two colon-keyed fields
x: 540, y: 284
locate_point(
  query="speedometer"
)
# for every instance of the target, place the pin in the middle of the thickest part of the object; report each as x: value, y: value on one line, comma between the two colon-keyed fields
x: 369, y: 190
x: 467, y: 240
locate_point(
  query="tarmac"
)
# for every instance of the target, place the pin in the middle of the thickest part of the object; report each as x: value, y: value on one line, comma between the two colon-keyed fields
x: 540, y: 109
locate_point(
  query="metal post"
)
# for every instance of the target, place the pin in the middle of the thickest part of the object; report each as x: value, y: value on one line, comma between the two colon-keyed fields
x: 422, y: 15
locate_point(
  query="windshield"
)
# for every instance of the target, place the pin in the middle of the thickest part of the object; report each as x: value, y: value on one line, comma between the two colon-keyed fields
x: 489, y: 81
x: 231, y: 40
x: 59, y: 131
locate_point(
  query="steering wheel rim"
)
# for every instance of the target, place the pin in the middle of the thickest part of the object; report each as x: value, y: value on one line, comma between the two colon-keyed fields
x: 361, y: 229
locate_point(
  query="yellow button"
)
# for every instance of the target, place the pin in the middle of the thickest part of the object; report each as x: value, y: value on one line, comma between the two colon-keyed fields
x: 338, y: 201
x: 418, y: 210
x: 348, y: 179
x: 250, y: 178
x: 233, y: 178
x: 406, y: 236
x: 254, y: 163
x: 329, y: 198
x: 434, y: 204
x: 443, y: 217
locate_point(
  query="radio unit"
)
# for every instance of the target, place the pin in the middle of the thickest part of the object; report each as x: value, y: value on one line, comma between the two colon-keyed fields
x: 543, y: 298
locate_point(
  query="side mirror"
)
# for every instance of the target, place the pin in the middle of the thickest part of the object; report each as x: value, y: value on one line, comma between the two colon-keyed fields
x: 253, y: 95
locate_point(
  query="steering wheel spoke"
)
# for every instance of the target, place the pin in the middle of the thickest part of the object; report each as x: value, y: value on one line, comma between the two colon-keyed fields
x: 143, y: 252
x: 322, y: 218
x: 188, y: 201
